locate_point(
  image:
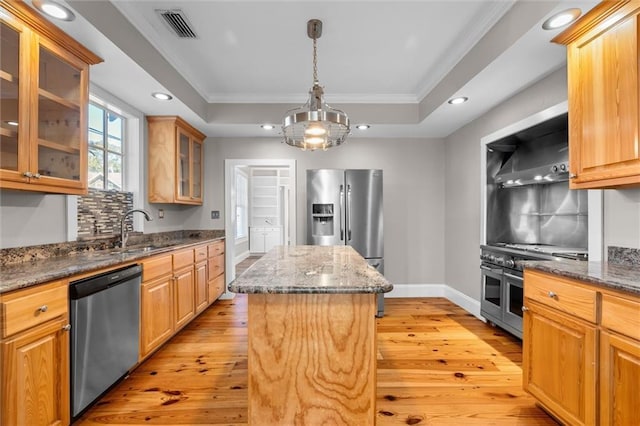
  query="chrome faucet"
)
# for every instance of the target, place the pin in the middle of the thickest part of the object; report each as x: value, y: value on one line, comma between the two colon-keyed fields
x: 123, y: 229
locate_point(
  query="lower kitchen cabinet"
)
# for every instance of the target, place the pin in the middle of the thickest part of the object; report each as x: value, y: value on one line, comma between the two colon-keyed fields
x: 559, y: 354
x: 200, y: 276
x: 156, y: 313
x: 184, y: 296
x: 216, y: 278
x: 619, y: 380
x: 35, y: 356
x: 583, y: 368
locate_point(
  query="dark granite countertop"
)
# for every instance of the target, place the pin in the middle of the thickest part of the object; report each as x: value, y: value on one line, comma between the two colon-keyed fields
x: 311, y: 270
x: 609, y: 275
x: 29, y: 273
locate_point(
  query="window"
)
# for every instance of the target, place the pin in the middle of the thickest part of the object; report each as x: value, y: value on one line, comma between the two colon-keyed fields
x: 242, y: 199
x: 106, y: 148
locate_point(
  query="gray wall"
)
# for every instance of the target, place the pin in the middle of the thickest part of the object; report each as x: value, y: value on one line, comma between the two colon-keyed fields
x: 462, y: 199
x: 29, y: 218
x: 413, y: 193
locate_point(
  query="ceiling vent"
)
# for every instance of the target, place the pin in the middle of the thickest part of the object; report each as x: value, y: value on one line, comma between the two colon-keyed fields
x: 178, y: 22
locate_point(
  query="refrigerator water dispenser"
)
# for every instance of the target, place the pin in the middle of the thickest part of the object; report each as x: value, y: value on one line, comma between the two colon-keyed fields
x: 322, y: 220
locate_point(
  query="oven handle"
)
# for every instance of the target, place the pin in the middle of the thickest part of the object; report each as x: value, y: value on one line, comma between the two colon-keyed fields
x: 515, y: 277
x: 494, y: 270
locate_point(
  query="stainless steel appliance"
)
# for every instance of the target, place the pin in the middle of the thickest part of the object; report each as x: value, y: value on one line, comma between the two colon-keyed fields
x: 105, y: 322
x: 502, y: 284
x: 345, y: 207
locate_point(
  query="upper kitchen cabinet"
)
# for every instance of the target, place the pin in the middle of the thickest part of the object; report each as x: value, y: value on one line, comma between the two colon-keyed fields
x: 602, y: 62
x: 44, y: 85
x: 175, y: 161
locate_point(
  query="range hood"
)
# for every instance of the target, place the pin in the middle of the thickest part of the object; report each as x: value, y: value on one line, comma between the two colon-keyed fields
x: 534, y: 156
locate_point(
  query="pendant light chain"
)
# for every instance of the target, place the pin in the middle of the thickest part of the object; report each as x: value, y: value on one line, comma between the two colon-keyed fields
x: 315, y: 60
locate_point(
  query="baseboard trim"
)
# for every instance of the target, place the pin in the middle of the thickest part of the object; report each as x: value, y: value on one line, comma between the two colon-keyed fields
x: 242, y: 256
x: 467, y: 303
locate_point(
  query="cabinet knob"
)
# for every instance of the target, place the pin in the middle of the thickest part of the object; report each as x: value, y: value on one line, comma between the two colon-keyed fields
x: 67, y: 327
x: 37, y: 176
x: 43, y: 308
x: 524, y: 309
x: 552, y: 295
x: 27, y: 174
x: 572, y: 175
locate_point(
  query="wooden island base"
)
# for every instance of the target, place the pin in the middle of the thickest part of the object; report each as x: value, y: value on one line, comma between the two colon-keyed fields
x: 312, y: 359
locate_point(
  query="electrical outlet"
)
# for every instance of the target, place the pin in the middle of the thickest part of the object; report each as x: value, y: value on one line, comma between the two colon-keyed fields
x: 160, y: 214
x: 215, y: 214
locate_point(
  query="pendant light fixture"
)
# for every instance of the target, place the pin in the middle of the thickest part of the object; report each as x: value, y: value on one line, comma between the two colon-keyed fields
x: 315, y: 125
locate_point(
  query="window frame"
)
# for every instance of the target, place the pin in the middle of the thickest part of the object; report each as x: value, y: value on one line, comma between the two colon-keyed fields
x: 106, y: 111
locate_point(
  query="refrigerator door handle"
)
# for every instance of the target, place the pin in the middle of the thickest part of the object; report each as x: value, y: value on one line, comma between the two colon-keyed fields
x: 349, y: 212
x: 340, y: 213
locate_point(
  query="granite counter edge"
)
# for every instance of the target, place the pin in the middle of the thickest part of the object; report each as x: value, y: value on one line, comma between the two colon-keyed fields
x: 611, y: 284
x: 86, y: 265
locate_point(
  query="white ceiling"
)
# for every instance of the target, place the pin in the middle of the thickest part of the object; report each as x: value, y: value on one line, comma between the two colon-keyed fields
x: 391, y: 64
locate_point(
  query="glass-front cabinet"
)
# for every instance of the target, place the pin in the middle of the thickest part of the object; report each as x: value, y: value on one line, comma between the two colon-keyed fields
x: 43, y: 116
x: 175, y: 161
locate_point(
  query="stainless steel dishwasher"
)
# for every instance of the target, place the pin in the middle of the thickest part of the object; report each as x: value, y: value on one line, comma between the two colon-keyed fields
x: 105, y: 324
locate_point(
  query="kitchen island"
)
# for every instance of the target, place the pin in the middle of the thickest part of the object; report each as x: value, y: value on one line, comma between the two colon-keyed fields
x: 311, y: 336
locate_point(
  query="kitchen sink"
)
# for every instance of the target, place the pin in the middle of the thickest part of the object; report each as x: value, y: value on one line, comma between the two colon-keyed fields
x: 133, y: 250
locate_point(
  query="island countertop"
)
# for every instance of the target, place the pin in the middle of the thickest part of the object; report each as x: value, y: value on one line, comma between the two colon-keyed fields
x: 311, y: 270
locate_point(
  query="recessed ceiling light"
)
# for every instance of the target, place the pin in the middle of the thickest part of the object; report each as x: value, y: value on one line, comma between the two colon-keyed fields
x: 363, y: 126
x: 268, y: 126
x: 162, y: 96
x: 561, y: 19
x: 458, y: 100
x: 54, y: 9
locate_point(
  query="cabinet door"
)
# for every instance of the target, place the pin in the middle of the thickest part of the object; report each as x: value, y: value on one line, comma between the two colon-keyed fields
x: 603, y: 106
x: 59, y: 150
x: 184, y: 297
x: 559, y: 363
x: 196, y: 170
x: 14, y: 128
x: 271, y: 238
x: 619, y: 379
x: 183, y: 165
x: 156, y: 313
x: 35, y: 385
x: 201, y: 286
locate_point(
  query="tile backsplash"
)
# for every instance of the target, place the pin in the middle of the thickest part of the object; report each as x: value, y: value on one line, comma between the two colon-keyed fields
x: 99, y: 212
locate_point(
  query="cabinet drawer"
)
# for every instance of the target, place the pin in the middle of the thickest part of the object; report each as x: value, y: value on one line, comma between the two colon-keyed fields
x: 200, y: 253
x: 216, y: 288
x: 156, y: 267
x: 182, y: 259
x: 561, y: 294
x: 216, y: 248
x: 621, y: 315
x: 216, y: 266
x: 27, y: 308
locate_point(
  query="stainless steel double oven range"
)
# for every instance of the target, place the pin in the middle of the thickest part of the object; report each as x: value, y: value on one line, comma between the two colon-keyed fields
x: 501, y: 269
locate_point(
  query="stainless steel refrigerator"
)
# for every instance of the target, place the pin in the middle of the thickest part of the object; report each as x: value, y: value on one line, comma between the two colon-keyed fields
x: 345, y: 207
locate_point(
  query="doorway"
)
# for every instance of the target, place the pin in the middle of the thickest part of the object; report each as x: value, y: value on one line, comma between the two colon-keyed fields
x: 286, y: 205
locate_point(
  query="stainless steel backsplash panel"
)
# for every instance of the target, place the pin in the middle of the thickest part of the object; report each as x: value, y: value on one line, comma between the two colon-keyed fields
x: 537, y: 214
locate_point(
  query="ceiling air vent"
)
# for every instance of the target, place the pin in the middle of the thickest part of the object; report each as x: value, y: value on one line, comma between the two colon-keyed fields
x: 177, y: 20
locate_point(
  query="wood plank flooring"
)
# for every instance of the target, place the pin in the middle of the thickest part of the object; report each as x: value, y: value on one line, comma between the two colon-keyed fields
x: 437, y: 365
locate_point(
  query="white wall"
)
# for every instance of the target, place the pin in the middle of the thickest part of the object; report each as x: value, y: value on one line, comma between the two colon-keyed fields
x: 462, y: 200
x: 413, y: 193
x: 622, y: 218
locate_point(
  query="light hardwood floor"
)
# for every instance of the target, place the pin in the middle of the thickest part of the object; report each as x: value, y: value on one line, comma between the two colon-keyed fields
x: 437, y: 365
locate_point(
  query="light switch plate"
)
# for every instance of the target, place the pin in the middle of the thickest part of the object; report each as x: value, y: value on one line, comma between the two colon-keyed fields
x: 215, y: 214
x: 160, y: 214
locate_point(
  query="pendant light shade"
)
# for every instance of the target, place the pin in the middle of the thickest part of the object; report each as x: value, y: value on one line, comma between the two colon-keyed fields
x: 315, y: 125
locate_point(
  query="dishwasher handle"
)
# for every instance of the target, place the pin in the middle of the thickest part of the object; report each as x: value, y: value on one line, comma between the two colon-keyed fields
x: 88, y: 286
